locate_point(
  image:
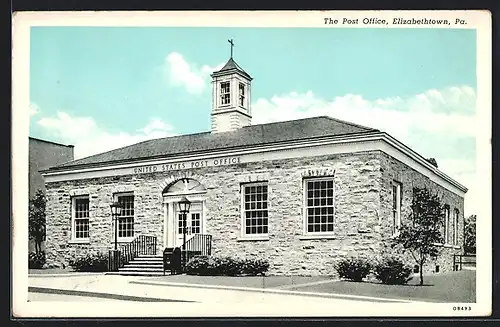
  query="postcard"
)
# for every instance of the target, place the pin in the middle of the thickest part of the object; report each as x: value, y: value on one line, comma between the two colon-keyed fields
x: 252, y: 164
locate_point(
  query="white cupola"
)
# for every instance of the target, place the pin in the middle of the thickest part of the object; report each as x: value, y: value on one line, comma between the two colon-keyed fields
x: 231, y: 90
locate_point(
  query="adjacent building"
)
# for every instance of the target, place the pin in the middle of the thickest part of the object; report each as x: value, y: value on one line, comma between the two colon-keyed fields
x: 42, y: 155
x: 301, y: 194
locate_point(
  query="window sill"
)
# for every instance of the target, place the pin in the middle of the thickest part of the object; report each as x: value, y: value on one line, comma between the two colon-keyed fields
x: 79, y: 241
x: 125, y: 239
x: 318, y: 237
x: 253, y: 238
x: 451, y: 246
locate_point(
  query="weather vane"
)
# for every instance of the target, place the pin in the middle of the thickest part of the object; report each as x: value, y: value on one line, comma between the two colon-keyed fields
x: 232, y: 45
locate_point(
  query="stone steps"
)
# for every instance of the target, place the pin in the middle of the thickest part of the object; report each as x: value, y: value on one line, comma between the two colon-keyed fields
x: 144, y: 265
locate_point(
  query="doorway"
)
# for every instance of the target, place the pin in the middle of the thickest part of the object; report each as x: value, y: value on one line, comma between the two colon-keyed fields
x: 195, y: 192
x: 193, y: 220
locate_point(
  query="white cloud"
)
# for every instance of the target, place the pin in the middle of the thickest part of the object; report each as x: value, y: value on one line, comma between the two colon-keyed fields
x: 34, y: 109
x: 188, y: 75
x: 420, y: 120
x: 89, y: 138
x: 433, y: 111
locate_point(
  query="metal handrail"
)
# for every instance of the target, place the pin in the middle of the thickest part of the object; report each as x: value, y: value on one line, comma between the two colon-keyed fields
x: 175, y: 258
x: 141, y: 245
x: 458, y: 261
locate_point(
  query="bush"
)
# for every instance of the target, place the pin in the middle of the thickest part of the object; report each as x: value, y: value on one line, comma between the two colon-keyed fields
x: 225, y: 266
x: 255, y: 267
x: 393, y: 271
x: 200, y: 265
x: 36, y: 260
x: 91, y: 262
x: 353, y: 269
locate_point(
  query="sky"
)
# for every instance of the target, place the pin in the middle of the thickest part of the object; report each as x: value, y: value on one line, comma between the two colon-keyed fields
x: 101, y: 88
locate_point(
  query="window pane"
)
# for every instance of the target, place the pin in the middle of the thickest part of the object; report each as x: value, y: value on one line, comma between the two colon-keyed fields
x: 81, y: 218
x: 255, y: 208
x: 126, y: 220
x: 320, y: 197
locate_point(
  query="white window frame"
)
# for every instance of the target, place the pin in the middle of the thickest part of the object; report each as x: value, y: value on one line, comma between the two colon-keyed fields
x: 244, y: 235
x: 456, y: 214
x: 396, y: 220
x: 241, y: 94
x: 446, y: 224
x: 305, y: 206
x: 74, y: 239
x: 222, y: 94
x: 121, y: 238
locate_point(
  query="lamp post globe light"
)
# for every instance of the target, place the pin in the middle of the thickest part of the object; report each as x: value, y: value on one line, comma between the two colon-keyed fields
x: 116, y: 209
x: 184, y: 206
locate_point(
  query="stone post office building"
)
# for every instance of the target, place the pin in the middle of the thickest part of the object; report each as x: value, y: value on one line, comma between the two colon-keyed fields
x: 300, y: 193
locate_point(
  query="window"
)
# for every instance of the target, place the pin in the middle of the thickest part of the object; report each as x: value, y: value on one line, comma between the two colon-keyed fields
x: 180, y: 222
x: 195, y: 223
x: 80, y: 224
x: 396, y: 207
x: 194, y: 228
x: 242, y: 94
x: 255, y: 205
x: 126, y: 217
x: 225, y: 95
x: 446, y: 224
x: 455, y: 227
x: 319, y: 205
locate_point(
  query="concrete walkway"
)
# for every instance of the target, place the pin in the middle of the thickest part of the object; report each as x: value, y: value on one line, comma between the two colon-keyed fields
x: 129, y: 287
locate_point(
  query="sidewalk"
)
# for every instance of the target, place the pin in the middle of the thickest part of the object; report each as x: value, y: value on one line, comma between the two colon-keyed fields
x: 127, y: 286
x: 452, y: 287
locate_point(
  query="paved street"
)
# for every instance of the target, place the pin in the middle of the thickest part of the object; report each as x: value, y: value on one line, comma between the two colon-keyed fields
x: 128, y: 288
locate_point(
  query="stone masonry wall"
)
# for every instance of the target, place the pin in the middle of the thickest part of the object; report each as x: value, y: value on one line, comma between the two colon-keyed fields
x: 357, y: 202
x: 356, y: 207
x: 148, y: 214
x: 394, y: 170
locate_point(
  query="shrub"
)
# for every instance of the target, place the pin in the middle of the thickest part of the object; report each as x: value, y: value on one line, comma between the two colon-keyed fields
x: 393, y: 271
x: 199, y: 265
x: 91, y: 262
x: 225, y: 266
x: 36, y: 260
x: 353, y: 269
x: 255, y: 267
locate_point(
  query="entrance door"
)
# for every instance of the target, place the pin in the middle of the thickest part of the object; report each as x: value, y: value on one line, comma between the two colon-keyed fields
x: 193, y: 223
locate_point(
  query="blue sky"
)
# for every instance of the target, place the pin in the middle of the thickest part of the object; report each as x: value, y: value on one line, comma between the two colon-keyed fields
x: 101, y: 88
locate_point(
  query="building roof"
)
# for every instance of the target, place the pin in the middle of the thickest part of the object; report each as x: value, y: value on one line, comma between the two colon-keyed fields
x: 232, y: 65
x: 50, y: 142
x: 247, y: 136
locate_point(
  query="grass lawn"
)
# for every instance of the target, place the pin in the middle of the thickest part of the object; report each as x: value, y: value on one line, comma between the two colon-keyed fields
x: 454, y: 287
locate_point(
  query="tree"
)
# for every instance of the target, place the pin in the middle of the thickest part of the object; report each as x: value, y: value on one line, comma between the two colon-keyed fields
x: 433, y: 162
x: 420, y: 236
x: 470, y: 234
x: 37, y: 219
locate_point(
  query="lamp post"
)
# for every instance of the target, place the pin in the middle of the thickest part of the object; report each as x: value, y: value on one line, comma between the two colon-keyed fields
x: 184, y: 206
x: 116, y: 209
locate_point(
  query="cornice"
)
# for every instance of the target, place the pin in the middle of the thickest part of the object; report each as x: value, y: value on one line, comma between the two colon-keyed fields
x: 379, y: 141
